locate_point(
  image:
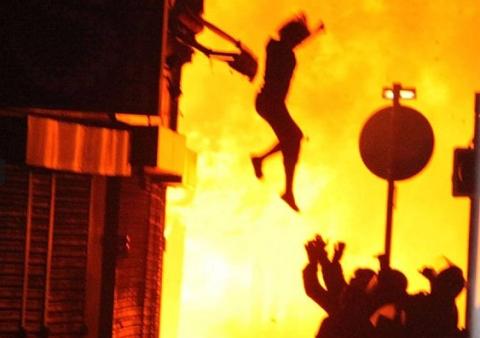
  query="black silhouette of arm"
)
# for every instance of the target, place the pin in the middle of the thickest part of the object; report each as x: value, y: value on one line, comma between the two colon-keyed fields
x: 313, y: 289
x: 316, y: 252
x: 333, y: 273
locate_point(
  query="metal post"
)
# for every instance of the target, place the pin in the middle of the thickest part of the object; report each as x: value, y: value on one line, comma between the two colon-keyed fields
x: 473, y: 252
x: 389, y: 222
x: 391, y: 182
x: 472, y: 264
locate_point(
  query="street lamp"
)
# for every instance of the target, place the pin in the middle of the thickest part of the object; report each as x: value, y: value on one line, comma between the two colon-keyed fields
x: 403, y: 93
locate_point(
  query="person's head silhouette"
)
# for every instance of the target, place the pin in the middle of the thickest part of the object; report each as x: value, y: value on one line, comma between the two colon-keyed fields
x: 391, y: 286
x: 294, y: 31
x: 362, y: 279
x: 449, y: 282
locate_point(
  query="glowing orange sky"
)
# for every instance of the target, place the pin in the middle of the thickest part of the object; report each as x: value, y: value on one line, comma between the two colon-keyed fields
x: 243, y: 246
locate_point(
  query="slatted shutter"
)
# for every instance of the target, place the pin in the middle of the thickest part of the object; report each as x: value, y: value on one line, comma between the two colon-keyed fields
x: 13, y: 216
x: 44, y: 225
x: 65, y: 317
x: 37, y: 251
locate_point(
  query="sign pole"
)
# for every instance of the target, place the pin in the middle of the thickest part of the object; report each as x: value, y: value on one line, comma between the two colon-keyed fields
x: 391, y: 182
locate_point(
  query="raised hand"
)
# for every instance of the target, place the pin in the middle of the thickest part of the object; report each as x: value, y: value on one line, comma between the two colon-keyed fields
x: 316, y: 251
x: 338, y: 251
x: 321, y: 250
x: 428, y: 273
x: 321, y: 243
x: 312, y: 252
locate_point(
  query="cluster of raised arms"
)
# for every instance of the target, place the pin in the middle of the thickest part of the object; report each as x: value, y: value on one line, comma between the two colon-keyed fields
x: 376, y: 304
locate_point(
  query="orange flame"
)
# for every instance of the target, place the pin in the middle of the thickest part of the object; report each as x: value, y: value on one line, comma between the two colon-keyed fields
x: 243, y: 246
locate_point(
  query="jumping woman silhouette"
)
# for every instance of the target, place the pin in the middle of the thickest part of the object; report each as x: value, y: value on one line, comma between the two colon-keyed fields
x: 270, y: 101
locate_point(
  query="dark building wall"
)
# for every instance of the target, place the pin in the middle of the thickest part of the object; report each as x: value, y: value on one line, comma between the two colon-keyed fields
x: 62, y: 245
x: 139, y: 260
x: 51, y: 243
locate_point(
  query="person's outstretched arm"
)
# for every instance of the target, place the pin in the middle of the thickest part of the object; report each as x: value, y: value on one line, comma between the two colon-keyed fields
x: 311, y: 284
x: 430, y: 275
x: 333, y: 273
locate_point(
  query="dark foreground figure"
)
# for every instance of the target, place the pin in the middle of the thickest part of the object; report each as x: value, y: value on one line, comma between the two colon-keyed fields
x: 270, y: 101
x: 376, y: 304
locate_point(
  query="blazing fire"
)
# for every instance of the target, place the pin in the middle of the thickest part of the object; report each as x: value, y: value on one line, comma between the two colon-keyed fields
x: 240, y: 269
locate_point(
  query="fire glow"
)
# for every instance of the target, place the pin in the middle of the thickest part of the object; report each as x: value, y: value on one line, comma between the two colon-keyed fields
x: 244, y: 250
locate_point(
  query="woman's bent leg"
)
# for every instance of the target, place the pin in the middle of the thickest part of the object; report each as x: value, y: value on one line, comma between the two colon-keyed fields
x: 290, y: 151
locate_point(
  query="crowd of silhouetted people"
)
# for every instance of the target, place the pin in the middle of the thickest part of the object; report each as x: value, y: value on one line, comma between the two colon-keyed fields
x: 376, y: 304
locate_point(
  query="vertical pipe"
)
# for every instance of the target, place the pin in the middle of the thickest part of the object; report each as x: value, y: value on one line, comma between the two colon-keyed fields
x: 472, y: 325
x: 109, y: 259
x: 472, y: 273
x: 26, y: 263
x: 48, y: 265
